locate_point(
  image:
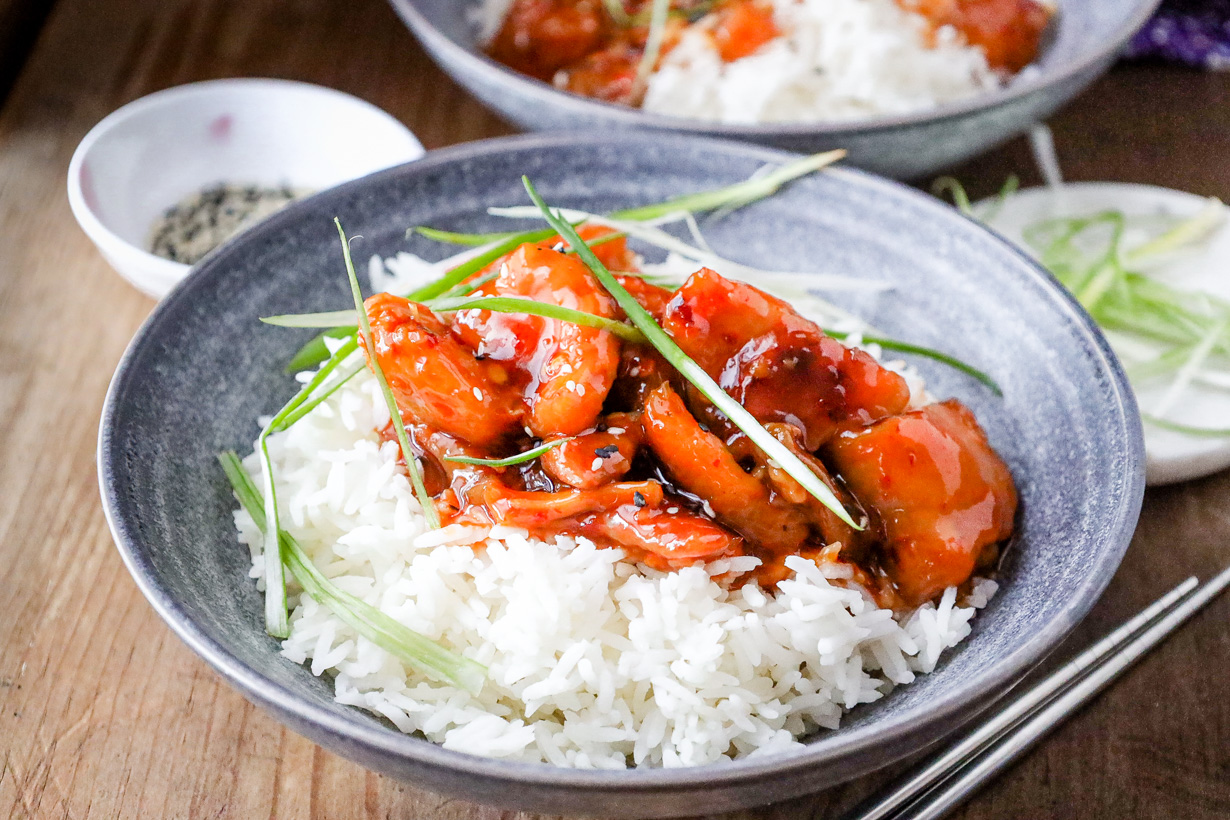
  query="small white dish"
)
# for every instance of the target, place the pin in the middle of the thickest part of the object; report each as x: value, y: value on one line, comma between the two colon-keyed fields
x: 1170, y: 456
x: 152, y: 153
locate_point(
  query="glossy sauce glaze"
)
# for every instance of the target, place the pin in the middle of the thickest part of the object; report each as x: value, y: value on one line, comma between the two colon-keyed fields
x: 645, y: 463
x: 579, y: 46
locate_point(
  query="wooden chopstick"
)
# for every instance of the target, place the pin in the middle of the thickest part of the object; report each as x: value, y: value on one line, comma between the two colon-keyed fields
x: 942, y: 783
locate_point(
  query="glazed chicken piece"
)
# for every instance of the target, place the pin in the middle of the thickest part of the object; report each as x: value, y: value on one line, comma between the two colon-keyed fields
x: 1008, y: 31
x: 614, y: 253
x: 942, y: 493
x: 596, y: 458
x: 636, y: 516
x: 778, y: 365
x: 665, y: 538
x: 640, y: 471
x: 833, y: 529
x: 539, y: 37
x: 650, y: 296
x: 742, y: 27
x: 608, y: 74
x: 436, y: 380
x: 568, y: 368
x: 700, y: 463
x: 535, y: 510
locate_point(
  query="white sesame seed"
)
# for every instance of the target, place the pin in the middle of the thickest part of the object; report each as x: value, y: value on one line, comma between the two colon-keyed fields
x: 571, y: 385
x: 672, y: 510
x: 615, y: 431
x: 478, y: 394
x: 597, y: 465
x: 580, y: 390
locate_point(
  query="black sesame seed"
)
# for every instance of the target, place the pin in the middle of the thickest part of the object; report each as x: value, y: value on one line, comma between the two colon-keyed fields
x: 638, y: 499
x: 607, y: 451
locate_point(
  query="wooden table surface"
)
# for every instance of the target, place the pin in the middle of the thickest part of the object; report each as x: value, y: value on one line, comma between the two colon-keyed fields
x: 103, y: 713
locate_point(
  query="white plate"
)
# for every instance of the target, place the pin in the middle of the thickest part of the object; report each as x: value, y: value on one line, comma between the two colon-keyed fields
x: 1171, y: 456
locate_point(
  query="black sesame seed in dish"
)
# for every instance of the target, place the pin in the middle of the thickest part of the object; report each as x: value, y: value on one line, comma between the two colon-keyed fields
x: 204, y: 220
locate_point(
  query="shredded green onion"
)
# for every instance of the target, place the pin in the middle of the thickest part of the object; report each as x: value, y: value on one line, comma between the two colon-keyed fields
x: 733, y: 196
x: 653, y: 44
x: 1186, y: 429
x: 301, y: 403
x: 496, y: 304
x: 277, y: 622
x: 334, y: 319
x: 467, y: 239
x: 308, y: 406
x: 316, y: 351
x: 1185, y: 331
x: 412, y: 465
x: 511, y: 461
x: 512, y: 304
x: 615, y: 8
x: 1211, y: 216
x: 930, y: 353
x: 400, y: 641
x: 953, y: 186
x: 690, y: 370
x: 960, y: 199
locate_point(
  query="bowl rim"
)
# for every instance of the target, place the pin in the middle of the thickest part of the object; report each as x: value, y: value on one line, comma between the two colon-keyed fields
x: 374, y: 741
x: 157, y: 267
x: 591, y: 109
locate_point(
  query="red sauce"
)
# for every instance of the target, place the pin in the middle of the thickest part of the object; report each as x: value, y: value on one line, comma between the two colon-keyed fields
x: 578, y: 46
x: 652, y: 467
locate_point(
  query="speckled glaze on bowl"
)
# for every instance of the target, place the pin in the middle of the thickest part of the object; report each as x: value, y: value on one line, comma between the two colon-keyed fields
x: 1084, y: 39
x: 202, y: 368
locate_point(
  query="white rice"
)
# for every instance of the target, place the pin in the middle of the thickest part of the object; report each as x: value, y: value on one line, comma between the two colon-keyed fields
x: 836, y: 60
x: 593, y: 662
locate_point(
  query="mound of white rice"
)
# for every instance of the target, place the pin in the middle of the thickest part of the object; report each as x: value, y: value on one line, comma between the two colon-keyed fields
x: 592, y: 661
x: 835, y: 60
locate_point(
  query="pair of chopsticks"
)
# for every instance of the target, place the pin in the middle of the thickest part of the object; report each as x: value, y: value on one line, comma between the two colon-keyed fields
x: 942, y: 783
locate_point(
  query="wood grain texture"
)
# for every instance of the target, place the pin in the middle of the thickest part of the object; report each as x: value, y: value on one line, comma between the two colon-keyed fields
x: 103, y: 713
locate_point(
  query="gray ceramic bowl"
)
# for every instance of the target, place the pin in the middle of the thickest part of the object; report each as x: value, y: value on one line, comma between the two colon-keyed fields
x: 1083, y: 40
x: 202, y: 368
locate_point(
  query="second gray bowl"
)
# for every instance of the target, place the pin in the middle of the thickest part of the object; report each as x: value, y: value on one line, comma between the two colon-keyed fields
x: 1084, y: 39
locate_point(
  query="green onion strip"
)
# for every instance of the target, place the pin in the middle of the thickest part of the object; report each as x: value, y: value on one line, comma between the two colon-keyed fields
x: 412, y: 465
x: 653, y: 45
x: 615, y: 8
x: 690, y: 370
x: 1189, y: 368
x: 276, y: 622
x: 467, y: 239
x: 497, y: 304
x: 513, y: 304
x: 410, y: 647
x: 1186, y: 429
x: 930, y: 353
x: 511, y: 461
